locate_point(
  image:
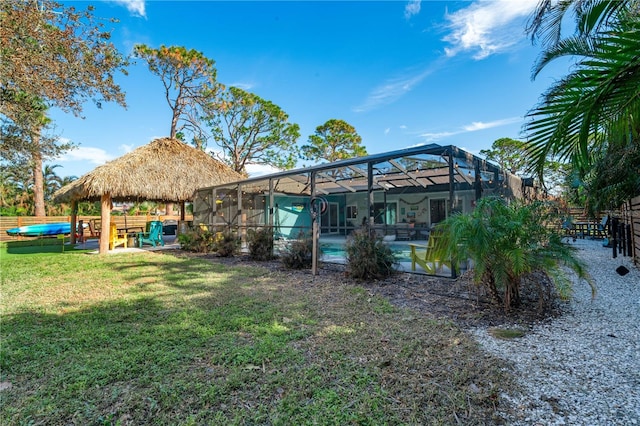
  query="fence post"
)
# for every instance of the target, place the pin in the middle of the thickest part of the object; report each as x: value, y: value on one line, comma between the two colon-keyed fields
x: 614, y: 236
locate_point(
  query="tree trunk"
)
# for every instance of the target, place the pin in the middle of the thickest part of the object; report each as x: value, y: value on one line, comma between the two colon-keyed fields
x: 174, y: 121
x: 105, y: 223
x: 490, y: 283
x: 512, y: 294
x: 38, y: 182
x: 74, y: 219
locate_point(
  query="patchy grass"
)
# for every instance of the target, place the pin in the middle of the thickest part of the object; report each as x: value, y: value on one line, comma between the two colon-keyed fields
x: 153, y: 338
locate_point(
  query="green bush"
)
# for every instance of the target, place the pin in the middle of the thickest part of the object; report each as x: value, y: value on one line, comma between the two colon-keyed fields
x: 226, y: 244
x: 368, y: 257
x: 260, y: 243
x: 198, y: 240
x: 506, y: 243
x: 298, y: 253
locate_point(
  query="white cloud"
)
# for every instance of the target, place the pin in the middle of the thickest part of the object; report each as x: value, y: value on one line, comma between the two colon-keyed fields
x: 240, y: 85
x: 136, y: 7
x: 479, y: 125
x: 412, y: 8
x: 473, y: 127
x: 488, y: 27
x: 432, y: 137
x: 255, y: 170
x: 484, y: 28
x: 392, y: 90
x: 95, y: 156
x: 387, y: 131
x: 126, y: 148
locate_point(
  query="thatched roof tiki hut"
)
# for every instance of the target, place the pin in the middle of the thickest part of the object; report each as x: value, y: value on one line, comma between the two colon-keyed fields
x: 165, y: 170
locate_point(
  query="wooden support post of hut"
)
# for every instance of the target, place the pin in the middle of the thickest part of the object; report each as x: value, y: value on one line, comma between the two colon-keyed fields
x: 105, y: 222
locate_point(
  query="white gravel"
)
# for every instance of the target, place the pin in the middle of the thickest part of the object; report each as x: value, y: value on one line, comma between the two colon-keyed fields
x: 582, y: 368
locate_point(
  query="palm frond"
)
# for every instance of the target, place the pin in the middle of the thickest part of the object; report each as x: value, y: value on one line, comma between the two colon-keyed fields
x: 584, y: 109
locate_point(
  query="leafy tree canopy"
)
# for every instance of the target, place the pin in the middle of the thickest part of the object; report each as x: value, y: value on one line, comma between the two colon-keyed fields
x: 511, y: 155
x: 189, y: 80
x: 251, y: 130
x: 56, y: 54
x: 334, y: 140
x: 508, y: 153
x: 52, y: 56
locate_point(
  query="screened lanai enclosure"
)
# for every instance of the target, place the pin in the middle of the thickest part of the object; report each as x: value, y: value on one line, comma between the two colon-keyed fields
x: 399, y: 195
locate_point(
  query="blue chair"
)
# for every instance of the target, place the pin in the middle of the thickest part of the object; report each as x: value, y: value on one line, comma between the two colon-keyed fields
x: 153, y: 235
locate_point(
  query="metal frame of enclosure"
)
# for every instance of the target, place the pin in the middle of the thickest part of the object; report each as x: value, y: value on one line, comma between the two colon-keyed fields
x: 388, y: 192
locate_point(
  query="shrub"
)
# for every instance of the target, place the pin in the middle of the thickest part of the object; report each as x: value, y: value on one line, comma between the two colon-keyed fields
x: 298, y: 253
x: 197, y: 240
x: 507, y: 242
x: 368, y: 257
x: 260, y: 243
x: 226, y: 244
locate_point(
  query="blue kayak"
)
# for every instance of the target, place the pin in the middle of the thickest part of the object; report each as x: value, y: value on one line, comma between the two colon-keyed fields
x: 41, y: 229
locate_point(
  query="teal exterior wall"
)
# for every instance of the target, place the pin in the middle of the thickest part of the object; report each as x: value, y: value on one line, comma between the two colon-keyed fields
x: 291, y: 215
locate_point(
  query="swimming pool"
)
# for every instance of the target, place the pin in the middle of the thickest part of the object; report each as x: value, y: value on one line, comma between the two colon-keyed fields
x: 336, y: 250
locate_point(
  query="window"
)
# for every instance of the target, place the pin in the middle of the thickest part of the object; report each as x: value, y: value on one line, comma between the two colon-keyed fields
x: 352, y: 212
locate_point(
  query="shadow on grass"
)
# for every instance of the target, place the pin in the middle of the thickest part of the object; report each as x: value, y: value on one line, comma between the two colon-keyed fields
x: 153, y: 338
x: 39, y: 245
x: 164, y: 353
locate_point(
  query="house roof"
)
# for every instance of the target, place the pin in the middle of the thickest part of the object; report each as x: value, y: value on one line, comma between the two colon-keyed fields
x: 418, y: 167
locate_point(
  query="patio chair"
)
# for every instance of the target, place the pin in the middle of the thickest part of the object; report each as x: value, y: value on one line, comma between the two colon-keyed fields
x: 116, y: 238
x: 404, y: 231
x: 94, y: 228
x: 602, y: 230
x: 153, y: 235
x: 425, y: 256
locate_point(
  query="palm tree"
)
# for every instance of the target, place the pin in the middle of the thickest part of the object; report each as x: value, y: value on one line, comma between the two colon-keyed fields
x: 505, y: 242
x: 19, y: 195
x: 52, y: 182
x: 593, y: 112
x: 590, y: 17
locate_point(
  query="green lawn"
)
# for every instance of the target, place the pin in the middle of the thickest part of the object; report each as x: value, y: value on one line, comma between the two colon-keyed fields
x: 149, y: 338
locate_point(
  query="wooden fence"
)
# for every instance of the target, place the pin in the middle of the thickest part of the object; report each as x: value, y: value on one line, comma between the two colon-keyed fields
x: 8, y: 222
x: 631, y: 217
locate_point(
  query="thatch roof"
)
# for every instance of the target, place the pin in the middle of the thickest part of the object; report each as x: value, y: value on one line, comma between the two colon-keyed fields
x: 164, y: 170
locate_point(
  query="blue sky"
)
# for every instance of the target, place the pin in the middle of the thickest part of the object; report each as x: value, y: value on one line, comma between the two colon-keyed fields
x: 403, y: 73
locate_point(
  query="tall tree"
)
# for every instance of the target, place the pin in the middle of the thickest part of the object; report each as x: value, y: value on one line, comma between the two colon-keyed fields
x: 251, y: 130
x: 334, y: 140
x: 22, y: 141
x: 510, y: 154
x: 189, y: 80
x: 52, y: 181
x: 593, y: 110
x: 52, y: 56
